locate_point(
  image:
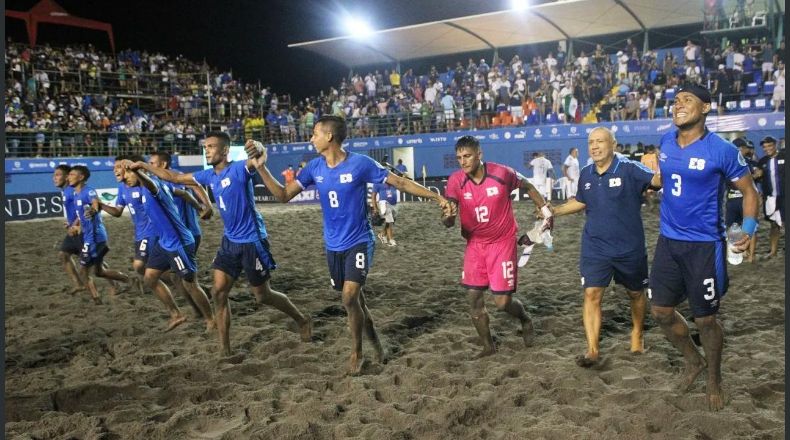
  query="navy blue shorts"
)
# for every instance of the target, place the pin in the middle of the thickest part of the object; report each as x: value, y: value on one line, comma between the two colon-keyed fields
x: 254, y: 258
x: 598, y: 271
x: 72, y: 244
x: 693, y: 270
x: 181, y: 261
x: 351, y: 264
x: 733, y: 211
x: 143, y: 248
x: 93, y: 254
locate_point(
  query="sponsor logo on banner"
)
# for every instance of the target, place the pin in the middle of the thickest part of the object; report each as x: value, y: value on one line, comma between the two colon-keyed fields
x: 33, y: 206
x: 274, y: 148
x: 35, y: 165
x: 96, y: 162
x: 663, y: 127
x: 614, y: 128
x: 626, y: 128
x: 493, y: 136
x: 285, y: 148
x: 480, y: 137
x: 507, y: 135
x: 310, y: 146
x: 779, y: 123
x: 375, y: 144
x: 355, y: 144
x: 107, y: 195
x: 538, y: 134
x: 762, y: 122
x: 298, y: 148
x: 588, y: 130
x: 521, y: 134
x: 555, y: 132
x: 400, y: 141
x: 413, y: 141
x: 438, y: 138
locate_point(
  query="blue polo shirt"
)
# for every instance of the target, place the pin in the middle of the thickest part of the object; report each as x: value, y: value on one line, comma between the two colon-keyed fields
x: 613, y: 203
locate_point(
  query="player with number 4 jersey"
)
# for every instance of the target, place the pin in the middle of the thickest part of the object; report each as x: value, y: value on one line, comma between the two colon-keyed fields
x: 341, y: 178
x: 481, y: 190
x: 244, y: 242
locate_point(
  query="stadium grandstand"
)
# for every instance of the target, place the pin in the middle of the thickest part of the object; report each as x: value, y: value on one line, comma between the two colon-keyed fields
x: 76, y: 100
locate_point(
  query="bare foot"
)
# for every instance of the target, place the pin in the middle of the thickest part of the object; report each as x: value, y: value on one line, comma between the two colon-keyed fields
x: 486, y: 352
x: 355, y: 365
x: 306, y: 330
x: 175, y: 321
x: 715, y: 396
x: 637, y: 342
x: 587, y: 360
x: 690, y: 374
x: 76, y: 290
x: 528, y: 333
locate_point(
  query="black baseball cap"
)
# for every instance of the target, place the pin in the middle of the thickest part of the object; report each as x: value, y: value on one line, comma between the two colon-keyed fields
x: 700, y: 92
x: 741, y: 142
x: 768, y: 140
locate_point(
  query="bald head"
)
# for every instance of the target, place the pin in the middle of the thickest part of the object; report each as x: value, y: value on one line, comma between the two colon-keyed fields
x: 600, y: 144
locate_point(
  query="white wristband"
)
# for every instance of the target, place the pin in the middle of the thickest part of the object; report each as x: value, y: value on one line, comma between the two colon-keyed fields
x: 546, y: 211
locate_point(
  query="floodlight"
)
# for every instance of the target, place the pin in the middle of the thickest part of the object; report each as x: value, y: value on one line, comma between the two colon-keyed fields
x: 357, y: 27
x: 519, y: 4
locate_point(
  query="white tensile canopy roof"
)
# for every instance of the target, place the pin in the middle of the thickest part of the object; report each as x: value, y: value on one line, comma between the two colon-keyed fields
x: 542, y: 23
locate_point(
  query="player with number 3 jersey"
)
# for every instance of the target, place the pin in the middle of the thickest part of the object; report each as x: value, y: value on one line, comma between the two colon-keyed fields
x: 341, y: 178
x: 481, y: 190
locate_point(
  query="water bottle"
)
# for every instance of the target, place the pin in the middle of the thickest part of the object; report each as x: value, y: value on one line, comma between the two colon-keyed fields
x: 547, y: 240
x: 734, y: 234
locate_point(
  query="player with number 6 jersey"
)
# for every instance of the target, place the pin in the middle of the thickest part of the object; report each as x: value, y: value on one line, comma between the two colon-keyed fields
x: 341, y: 178
x: 481, y: 190
x: 244, y: 241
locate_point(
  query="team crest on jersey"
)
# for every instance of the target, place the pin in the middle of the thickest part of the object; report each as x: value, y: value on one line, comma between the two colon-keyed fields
x: 225, y: 182
x: 467, y: 196
x: 136, y: 194
x: 492, y: 191
x: 615, y: 181
x: 587, y: 185
x: 346, y: 178
x: 79, y: 202
x: 319, y: 179
x: 697, y: 164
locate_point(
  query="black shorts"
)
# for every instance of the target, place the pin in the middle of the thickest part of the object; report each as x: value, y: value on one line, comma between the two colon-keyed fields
x: 197, y: 242
x: 72, y: 244
x: 693, y: 270
x: 254, y: 258
x: 351, y: 264
x: 93, y: 254
x: 598, y: 271
x: 143, y: 248
x: 181, y: 261
x: 733, y: 211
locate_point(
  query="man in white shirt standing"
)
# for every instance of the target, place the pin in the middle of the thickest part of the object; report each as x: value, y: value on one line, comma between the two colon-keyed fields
x: 570, y: 169
x: 540, y: 174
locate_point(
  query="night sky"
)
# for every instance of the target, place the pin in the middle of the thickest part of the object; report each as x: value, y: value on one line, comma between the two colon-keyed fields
x: 251, y: 37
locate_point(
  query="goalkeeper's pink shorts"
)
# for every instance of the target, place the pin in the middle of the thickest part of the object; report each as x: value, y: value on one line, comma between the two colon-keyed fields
x: 491, y: 266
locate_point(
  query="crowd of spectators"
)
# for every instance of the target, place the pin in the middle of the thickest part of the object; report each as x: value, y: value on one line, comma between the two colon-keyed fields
x: 76, y: 97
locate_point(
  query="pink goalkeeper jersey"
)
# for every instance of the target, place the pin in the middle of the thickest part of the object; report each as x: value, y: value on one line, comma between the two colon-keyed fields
x: 485, y: 209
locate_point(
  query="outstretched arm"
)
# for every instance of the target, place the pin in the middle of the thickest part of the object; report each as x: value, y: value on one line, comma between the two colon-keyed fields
x: 162, y: 173
x: 257, y: 161
x: 112, y: 210
x: 572, y: 206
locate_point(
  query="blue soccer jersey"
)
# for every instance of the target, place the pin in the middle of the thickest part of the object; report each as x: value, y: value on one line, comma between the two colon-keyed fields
x: 93, y: 230
x: 613, y: 200
x: 132, y: 197
x: 188, y: 213
x: 233, y: 194
x: 386, y: 192
x: 69, y: 208
x: 694, y: 180
x: 343, y: 194
x: 162, y: 213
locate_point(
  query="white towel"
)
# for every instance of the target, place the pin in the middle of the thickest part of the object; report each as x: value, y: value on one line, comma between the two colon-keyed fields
x: 771, y: 212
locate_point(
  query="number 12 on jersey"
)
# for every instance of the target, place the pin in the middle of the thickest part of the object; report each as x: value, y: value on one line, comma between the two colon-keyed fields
x: 481, y: 212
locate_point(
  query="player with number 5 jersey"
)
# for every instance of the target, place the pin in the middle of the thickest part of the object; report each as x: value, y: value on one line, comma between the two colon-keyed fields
x: 341, y: 178
x: 481, y: 190
x: 244, y: 242
x: 689, y: 261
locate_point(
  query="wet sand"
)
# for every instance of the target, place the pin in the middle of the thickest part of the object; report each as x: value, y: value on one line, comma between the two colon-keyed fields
x: 77, y: 370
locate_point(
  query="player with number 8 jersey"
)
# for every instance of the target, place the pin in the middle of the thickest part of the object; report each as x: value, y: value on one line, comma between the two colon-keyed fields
x: 341, y: 178
x: 482, y: 192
